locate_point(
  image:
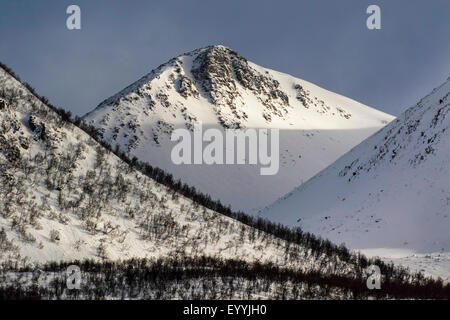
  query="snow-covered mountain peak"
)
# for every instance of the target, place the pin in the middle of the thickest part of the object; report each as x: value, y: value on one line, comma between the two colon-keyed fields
x: 216, y: 73
x: 221, y: 89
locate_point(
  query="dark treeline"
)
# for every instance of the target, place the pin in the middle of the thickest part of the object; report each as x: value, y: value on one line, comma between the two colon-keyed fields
x: 206, y: 277
x: 291, y: 235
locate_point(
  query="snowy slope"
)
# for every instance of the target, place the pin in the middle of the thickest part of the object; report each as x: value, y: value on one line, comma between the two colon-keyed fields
x: 221, y: 89
x: 65, y: 197
x: 390, y: 193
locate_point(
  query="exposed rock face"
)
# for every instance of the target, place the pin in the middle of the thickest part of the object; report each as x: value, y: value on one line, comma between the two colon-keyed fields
x: 186, y: 87
x: 218, y: 70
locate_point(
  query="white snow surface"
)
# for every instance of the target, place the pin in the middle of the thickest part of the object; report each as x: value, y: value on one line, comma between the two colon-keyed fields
x: 219, y: 88
x: 390, y: 195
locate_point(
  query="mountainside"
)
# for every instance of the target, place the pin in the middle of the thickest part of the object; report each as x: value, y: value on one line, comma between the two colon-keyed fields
x: 392, y: 191
x: 217, y: 87
x: 68, y: 201
x: 63, y: 196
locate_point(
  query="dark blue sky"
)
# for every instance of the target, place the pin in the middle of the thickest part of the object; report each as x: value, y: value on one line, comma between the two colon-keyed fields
x: 324, y: 42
